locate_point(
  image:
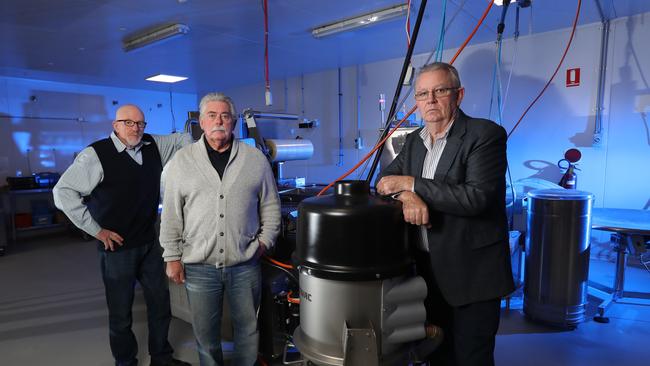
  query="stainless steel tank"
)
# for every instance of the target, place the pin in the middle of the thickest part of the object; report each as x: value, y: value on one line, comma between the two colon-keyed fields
x: 557, y: 256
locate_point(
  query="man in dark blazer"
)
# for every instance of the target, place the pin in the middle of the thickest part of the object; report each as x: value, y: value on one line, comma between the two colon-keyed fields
x: 450, y: 176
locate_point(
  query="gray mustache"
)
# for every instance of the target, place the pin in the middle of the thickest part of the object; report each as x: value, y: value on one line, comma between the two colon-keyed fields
x: 218, y: 128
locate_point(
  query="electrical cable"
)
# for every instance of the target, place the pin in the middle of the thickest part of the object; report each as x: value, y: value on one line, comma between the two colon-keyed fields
x: 293, y: 300
x: 433, y: 53
x: 381, y: 143
x: 469, y: 38
x: 406, y: 66
x: 566, y: 50
x: 441, y: 38
x: 408, y: 24
x: 171, y: 109
x: 278, y: 263
x: 281, y: 267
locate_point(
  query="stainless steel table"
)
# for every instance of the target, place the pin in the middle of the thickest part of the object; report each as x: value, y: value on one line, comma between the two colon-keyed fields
x: 631, y: 231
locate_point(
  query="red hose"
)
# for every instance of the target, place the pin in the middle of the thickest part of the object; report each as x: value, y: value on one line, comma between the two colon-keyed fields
x: 573, y: 30
x: 471, y: 35
x: 293, y: 300
x: 487, y: 10
x: 278, y: 263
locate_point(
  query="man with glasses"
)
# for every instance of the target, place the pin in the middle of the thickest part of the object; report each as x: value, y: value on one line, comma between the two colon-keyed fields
x: 220, y: 213
x: 451, y: 178
x: 111, y: 191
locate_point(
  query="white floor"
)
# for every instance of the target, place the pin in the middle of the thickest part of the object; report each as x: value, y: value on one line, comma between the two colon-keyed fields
x: 52, y: 312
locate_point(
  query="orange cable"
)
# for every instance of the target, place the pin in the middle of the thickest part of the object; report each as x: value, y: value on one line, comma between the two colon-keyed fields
x: 471, y: 35
x: 369, y: 154
x: 462, y: 47
x: 277, y: 263
x: 575, y: 23
x: 293, y: 300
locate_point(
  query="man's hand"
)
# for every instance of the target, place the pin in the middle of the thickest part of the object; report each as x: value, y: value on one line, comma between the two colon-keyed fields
x: 110, y: 239
x: 175, y: 272
x: 260, y: 250
x: 395, y: 183
x: 415, y: 210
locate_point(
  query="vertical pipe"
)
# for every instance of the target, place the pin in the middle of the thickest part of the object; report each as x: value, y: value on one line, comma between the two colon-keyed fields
x: 340, y: 162
x: 358, y: 142
x: 600, y: 95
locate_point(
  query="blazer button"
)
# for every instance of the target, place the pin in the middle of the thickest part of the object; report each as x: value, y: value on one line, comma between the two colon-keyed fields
x: 221, y: 215
x: 221, y: 233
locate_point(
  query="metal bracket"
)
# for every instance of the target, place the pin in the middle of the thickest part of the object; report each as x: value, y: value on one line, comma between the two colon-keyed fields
x: 360, y: 346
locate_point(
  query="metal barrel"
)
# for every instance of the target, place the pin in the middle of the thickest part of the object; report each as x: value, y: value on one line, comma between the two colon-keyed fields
x: 557, y: 256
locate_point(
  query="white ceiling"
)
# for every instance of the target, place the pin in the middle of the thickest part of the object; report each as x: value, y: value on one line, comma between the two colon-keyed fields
x: 80, y: 40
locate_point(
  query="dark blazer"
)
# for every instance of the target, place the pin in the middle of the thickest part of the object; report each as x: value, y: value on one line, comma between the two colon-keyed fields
x: 468, y: 240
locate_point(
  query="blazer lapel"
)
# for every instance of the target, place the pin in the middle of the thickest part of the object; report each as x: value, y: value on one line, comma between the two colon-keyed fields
x: 419, y: 153
x: 454, y: 141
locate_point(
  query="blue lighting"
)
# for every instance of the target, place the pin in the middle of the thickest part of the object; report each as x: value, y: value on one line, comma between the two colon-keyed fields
x: 22, y: 141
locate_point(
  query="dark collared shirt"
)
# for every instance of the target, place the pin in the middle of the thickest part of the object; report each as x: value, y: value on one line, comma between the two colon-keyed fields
x: 219, y: 160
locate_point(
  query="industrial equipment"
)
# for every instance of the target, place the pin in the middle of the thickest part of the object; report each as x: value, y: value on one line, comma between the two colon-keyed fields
x: 279, y: 151
x: 360, y: 302
x: 557, y: 256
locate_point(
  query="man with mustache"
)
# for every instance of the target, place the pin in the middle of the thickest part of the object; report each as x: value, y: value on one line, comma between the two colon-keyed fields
x: 111, y: 191
x: 220, y: 213
x: 451, y: 175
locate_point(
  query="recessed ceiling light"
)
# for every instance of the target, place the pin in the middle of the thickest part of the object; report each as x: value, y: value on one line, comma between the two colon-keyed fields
x: 162, y: 78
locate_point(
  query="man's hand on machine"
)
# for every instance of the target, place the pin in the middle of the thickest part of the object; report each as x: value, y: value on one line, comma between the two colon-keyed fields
x: 395, y: 183
x: 174, y: 271
x: 110, y: 239
x: 414, y: 209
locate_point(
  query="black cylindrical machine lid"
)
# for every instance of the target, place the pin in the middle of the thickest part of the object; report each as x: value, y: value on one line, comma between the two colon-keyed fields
x: 351, y: 235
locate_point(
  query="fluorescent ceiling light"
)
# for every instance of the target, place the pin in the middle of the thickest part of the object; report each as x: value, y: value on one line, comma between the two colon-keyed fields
x: 154, y: 35
x: 162, y: 78
x: 360, y: 21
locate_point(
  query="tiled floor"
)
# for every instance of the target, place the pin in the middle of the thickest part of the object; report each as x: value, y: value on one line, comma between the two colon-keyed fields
x: 52, y: 312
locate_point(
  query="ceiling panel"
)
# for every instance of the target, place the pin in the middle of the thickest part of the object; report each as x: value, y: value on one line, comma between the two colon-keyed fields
x: 80, y: 40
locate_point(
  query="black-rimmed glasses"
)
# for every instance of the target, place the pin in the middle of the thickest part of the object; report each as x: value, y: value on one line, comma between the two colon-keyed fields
x: 438, y: 93
x: 131, y: 123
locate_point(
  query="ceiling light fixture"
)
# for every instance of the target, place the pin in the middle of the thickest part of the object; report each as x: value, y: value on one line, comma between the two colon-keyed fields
x: 162, y: 78
x: 154, y: 35
x: 360, y: 21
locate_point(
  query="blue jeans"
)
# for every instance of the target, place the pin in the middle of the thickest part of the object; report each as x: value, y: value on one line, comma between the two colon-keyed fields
x: 120, y: 270
x: 206, y: 286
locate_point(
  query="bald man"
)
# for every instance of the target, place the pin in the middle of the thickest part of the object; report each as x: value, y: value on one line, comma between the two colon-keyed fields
x: 111, y: 191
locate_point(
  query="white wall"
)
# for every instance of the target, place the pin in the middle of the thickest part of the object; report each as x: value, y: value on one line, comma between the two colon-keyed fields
x: 616, y: 171
x: 64, y: 118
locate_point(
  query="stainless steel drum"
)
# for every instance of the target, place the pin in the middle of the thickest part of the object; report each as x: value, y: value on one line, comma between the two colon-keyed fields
x: 557, y: 256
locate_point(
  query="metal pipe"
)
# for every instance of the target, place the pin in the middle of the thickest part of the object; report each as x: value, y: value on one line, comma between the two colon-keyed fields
x: 286, y: 116
x: 600, y: 95
x: 340, y: 162
x: 604, y: 44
